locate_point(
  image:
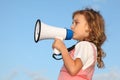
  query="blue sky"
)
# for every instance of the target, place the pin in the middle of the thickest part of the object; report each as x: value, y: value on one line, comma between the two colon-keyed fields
x: 23, y: 59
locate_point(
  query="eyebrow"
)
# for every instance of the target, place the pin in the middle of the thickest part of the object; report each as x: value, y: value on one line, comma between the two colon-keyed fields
x: 76, y: 20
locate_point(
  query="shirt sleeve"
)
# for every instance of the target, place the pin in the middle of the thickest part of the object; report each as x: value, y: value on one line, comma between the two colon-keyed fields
x: 85, y: 52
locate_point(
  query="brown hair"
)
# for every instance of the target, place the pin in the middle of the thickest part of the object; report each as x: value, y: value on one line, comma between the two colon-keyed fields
x: 97, y: 34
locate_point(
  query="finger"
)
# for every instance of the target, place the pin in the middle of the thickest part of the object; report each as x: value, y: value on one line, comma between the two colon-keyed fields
x: 53, y: 45
x: 56, y: 39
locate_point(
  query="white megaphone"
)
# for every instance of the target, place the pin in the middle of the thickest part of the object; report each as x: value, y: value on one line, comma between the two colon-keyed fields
x: 44, y: 31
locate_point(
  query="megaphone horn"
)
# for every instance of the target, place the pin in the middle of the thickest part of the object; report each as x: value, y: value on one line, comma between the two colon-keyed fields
x: 44, y: 31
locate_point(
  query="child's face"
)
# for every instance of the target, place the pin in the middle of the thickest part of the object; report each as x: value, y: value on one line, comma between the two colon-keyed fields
x: 80, y: 27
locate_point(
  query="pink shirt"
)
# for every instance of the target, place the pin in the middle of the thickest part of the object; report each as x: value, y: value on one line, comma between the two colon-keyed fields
x: 85, y: 73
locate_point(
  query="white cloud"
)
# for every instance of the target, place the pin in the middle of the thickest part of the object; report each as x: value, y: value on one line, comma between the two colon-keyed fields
x: 34, y: 75
x: 111, y: 75
x: 11, y: 75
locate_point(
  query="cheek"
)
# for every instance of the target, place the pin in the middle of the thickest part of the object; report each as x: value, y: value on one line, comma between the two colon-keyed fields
x: 77, y: 33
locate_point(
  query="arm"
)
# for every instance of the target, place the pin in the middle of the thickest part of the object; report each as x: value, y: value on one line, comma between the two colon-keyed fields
x: 72, y: 66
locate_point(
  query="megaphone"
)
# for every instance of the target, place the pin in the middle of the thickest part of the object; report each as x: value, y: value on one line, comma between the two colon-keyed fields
x: 43, y: 31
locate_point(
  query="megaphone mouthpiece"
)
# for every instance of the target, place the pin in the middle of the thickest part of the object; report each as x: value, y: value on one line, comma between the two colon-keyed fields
x: 69, y: 34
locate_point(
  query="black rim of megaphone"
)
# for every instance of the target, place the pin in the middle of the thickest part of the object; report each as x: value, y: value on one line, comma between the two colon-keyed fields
x: 37, y: 22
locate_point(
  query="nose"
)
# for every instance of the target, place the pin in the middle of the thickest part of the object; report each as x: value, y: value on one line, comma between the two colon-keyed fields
x: 72, y: 26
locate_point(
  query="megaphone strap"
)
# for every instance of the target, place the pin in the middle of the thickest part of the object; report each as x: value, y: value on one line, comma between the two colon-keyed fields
x: 69, y: 49
x: 55, y: 56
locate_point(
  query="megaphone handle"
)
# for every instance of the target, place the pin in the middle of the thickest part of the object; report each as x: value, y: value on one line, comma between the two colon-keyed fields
x: 56, y: 51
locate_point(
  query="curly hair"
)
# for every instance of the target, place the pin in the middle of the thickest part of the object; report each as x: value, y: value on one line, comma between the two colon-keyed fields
x: 97, y: 35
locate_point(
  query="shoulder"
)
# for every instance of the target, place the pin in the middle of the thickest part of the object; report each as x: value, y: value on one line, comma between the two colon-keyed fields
x: 83, y: 44
x: 85, y: 51
x: 86, y: 46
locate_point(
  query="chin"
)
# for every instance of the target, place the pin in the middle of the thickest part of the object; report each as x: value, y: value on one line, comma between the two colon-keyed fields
x: 75, y: 38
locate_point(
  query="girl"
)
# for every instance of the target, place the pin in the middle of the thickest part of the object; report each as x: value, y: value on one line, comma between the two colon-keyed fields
x: 89, y: 31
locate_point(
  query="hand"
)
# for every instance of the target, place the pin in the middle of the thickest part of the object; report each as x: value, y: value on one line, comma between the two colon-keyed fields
x: 58, y: 44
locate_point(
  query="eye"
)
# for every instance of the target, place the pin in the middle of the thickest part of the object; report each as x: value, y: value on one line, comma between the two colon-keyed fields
x: 76, y: 22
